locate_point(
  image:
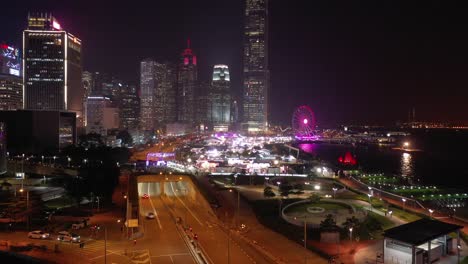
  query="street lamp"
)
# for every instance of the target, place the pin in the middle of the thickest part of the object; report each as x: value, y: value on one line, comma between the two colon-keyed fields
x: 406, y: 144
x: 430, y: 212
x: 351, y: 234
x: 404, y: 203
x: 27, y: 206
x: 42, y: 159
x: 22, y: 163
x: 69, y: 159
x: 370, y: 203
x: 54, y: 160
x: 334, y: 191
x: 235, y: 179
x: 390, y: 213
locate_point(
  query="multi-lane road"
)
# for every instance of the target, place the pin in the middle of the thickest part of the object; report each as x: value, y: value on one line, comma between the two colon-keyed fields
x: 171, y: 197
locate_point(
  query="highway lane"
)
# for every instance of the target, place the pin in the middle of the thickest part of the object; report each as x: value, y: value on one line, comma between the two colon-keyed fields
x: 211, y: 235
x: 162, y: 239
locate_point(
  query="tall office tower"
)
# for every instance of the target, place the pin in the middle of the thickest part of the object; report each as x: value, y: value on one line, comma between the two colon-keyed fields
x: 202, y: 114
x: 147, y: 95
x: 219, y: 98
x: 51, y: 67
x: 101, y: 116
x: 87, y: 80
x: 100, y: 79
x: 11, y: 84
x: 129, y: 107
x: 166, y: 92
x: 256, y: 73
x: 186, y: 86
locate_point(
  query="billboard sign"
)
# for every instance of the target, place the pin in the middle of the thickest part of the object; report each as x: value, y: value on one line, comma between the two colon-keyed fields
x: 10, y: 61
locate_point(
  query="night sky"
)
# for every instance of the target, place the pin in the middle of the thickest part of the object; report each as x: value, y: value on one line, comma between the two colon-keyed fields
x: 351, y: 61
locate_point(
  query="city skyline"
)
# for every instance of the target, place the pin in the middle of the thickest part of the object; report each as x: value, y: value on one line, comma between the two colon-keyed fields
x: 394, y: 50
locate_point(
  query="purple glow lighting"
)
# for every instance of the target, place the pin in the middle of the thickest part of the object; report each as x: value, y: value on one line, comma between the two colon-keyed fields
x: 159, y: 155
x: 305, y: 121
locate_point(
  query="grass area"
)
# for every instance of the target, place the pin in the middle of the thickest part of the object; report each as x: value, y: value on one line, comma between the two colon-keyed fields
x: 325, y: 205
x: 464, y: 260
x: 267, y: 214
x: 60, y: 202
x: 404, y: 215
x: 373, y: 226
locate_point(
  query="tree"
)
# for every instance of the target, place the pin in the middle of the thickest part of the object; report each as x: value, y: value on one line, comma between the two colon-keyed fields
x: 76, y: 189
x: 329, y: 223
x: 125, y: 137
x: 91, y: 140
x: 298, y: 186
x: 351, y: 222
x: 314, y: 198
x: 268, y: 192
x: 285, y: 188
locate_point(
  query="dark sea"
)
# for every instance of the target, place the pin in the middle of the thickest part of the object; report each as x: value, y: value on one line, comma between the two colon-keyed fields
x: 442, y: 161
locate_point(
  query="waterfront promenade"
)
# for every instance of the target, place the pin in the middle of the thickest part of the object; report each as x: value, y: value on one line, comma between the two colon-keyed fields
x: 397, y: 202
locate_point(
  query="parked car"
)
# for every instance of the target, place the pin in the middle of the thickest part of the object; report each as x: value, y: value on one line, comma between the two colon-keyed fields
x: 150, y: 215
x: 68, y: 237
x: 38, y: 234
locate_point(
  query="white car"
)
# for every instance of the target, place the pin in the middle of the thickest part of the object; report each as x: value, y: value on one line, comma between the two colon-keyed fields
x: 67, y: 236
x: 38, y: 234
x: 150, y: 215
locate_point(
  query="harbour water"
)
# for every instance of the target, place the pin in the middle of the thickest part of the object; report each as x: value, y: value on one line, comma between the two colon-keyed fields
x: 443, y: 160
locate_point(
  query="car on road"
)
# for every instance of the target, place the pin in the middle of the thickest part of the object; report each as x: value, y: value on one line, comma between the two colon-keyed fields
x: 68, y: 237
x: 145, y: 196
x: 150, y: 215
x: 38, y: 234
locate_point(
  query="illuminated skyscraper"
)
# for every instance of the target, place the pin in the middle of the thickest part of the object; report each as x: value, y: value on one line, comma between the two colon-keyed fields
x: 186, y: 86
x: 219, y: 98
x: 256, y: 73
x: 51, y: 67
x: 166, y: 92
x: 129, y: 107
x: 11, y: 84
x: 147, y: 95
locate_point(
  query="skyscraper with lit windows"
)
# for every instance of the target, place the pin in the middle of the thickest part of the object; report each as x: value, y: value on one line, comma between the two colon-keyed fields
x: 219, y: 98
x: 256, y: 73
x: 147, y: 95
x: 186, y: 86
x: 11, y: 83
x: 51, y: 67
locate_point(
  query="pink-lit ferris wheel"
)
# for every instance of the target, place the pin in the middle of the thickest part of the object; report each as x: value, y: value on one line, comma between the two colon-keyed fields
x: 303, y: 123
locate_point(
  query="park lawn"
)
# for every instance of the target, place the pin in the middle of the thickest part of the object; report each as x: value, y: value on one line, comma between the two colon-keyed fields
x: 60, y: 202
x: 464, y: 261
x: 300, y: 208
x: 405, y: 215
x: 373, y: 226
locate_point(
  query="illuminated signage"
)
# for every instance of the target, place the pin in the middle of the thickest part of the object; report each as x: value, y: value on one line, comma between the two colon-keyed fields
x: 14, y: 72
x: 9, y: 60
x: 56, y: 25
x: 160, y: 155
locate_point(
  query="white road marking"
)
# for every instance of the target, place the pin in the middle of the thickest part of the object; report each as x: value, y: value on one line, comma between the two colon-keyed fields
x: 196, y: 218
x: 154, y: 209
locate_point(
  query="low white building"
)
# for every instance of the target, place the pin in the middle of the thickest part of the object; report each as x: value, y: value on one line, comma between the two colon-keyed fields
x: 419, y: 242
